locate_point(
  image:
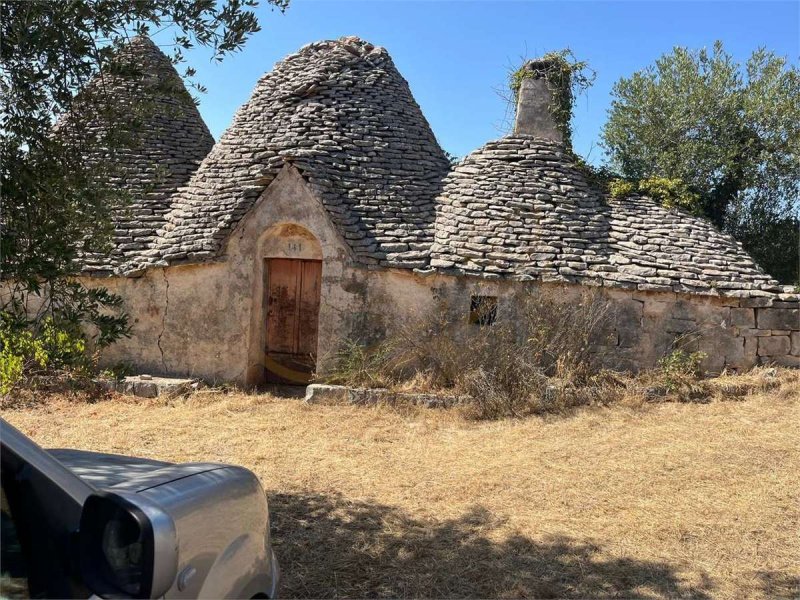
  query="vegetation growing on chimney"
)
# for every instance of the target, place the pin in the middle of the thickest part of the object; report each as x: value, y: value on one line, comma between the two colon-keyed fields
x: 566, y: 77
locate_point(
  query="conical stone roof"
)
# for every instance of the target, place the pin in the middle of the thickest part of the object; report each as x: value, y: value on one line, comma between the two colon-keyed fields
x: 519, y: 207
x: 342, y: 114
x: 167, y: 147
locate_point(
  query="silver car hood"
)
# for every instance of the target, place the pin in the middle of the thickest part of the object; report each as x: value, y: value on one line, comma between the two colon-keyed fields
x: 219, y: 513
x: 127, y: 473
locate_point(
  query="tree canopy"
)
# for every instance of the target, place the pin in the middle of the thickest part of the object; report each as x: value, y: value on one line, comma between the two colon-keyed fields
x: 56, y: 206
x: 727, y: 135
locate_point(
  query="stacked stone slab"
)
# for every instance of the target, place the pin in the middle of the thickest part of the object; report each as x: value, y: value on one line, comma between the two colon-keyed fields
x: 165, y: 149
x: 342, y: 114
x: 418, y: 233
x: 521, y: 208
x: 771, y: 328
x: 339, y: 111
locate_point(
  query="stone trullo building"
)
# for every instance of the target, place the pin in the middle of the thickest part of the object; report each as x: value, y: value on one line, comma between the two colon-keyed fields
x: 328, y: 210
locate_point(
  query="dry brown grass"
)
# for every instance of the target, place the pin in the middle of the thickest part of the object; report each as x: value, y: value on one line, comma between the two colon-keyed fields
x: 652, y: 500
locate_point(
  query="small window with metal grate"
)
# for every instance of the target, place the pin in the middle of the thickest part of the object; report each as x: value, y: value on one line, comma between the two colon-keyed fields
x: 482, y: 310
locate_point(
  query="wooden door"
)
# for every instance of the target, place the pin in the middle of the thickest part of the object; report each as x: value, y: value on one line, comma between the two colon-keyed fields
x: 293, y: 295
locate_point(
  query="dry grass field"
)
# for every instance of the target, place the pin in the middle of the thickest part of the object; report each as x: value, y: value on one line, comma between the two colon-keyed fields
x: 650, y: 501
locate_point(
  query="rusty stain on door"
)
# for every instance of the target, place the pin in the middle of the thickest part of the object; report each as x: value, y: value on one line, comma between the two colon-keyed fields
x: 293, y: 297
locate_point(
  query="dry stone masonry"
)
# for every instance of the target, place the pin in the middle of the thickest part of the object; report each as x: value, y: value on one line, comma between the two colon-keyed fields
x: 333, y: 143
x: 520, y: 207
x: 168, y: 147
x: 342, y: 114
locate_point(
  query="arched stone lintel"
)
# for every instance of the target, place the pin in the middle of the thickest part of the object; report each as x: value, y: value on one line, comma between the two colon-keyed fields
x: 289, y: 240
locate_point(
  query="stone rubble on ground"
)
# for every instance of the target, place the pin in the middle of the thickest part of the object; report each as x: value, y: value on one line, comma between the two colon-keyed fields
x: 148, y: 386
x: 317, y: 393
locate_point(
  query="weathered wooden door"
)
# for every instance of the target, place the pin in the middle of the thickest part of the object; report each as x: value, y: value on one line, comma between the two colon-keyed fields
x: 293, y: 294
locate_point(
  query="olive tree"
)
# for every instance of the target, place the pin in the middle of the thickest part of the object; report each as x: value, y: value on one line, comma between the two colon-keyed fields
x: 727, y: 135
x: 55, y: 206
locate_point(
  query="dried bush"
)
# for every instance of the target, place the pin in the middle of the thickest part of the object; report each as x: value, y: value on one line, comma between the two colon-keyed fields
x: 538, y: 355
x: 359, y: 365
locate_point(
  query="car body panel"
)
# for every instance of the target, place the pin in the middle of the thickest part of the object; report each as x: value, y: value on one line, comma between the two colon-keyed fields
x: 222, y: 523
x: 219, y: 512
x: 24, y: 450
x: 105, y: 470
x: 48, y: 500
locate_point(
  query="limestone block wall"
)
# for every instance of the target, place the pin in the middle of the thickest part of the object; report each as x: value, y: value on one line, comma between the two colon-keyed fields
x: 735, y: 333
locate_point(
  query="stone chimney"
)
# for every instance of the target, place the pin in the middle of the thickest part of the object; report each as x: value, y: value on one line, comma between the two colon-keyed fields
x: 534, y: 102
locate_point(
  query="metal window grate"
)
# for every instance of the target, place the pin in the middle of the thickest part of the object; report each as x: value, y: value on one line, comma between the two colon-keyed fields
x: 482, y: 310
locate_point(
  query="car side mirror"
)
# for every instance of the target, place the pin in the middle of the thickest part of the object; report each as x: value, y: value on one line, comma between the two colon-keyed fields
x: 128, y: 547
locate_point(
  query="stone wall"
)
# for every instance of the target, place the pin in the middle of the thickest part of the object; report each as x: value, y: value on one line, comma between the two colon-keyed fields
x: 734, y: 333
x: 180, y: 332
x: 216, y: 334
x: 208, y: 320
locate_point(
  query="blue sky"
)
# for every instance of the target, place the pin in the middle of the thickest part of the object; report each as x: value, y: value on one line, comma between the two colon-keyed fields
x: 455, y: 55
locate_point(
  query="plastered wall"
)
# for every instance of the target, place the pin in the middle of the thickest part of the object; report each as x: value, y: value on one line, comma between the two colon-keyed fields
x: 209, y: 320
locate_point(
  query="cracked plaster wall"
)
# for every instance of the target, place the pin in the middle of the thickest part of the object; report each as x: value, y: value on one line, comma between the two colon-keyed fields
x: 208, y: 320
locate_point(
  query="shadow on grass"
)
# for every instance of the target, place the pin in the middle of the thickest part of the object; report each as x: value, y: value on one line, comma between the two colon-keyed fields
x: 331, y: 547
x: 771, y: 584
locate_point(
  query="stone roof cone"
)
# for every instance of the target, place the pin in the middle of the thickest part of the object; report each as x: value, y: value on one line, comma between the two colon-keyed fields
x: 168, y: 143
x: 341, y: 113
x: 520, y: 207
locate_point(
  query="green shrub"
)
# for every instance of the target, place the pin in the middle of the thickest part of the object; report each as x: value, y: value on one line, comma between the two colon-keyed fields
x: 620, y: 188
x: 59, y: 341
x: 25, y: 353
x: 679, y: 370
x: 682, y: 363
x: 670, y: 193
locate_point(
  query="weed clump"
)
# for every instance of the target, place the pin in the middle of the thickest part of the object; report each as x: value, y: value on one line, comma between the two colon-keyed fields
x: 541, y: 356
x: 533, y: 355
